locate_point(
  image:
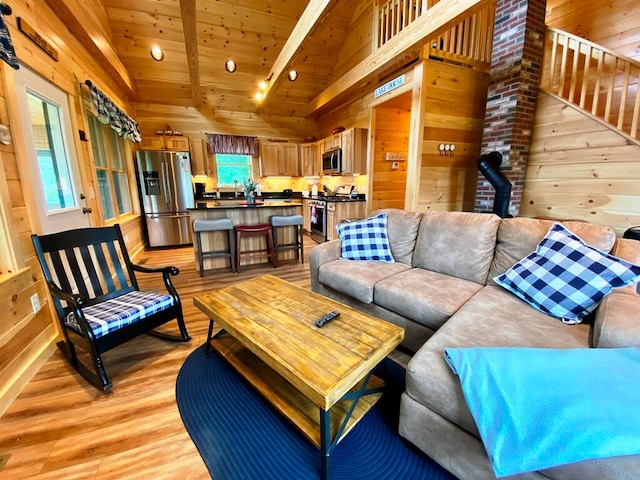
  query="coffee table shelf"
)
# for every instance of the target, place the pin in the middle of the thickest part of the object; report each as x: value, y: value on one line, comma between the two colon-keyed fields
x: 286, y: 398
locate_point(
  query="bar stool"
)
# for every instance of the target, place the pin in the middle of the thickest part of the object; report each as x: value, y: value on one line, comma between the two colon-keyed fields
x: 221, y: 225
x: 256, y: 230
x: 288, y: 221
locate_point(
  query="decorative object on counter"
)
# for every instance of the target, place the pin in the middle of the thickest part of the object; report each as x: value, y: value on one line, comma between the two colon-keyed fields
x: 337, y: 130
x: 314, y: 187
x: 250, y: 187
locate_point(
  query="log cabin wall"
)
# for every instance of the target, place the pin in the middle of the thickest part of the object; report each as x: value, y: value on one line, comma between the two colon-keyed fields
x: 580, y: 169
x: 391, y: 135
x: 614, y: 24
x: 454, y: 106
x: 27, y: 339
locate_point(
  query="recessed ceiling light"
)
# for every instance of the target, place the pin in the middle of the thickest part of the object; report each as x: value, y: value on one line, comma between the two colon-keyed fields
x: 157, y: 53
x: 259, y: 96
x: 230, y: 66
x: 293, y: 76
x: 262, y: 85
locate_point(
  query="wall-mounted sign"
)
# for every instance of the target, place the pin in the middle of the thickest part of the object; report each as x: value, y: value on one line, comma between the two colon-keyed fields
x: 391, y: 85
x: 395, y: 156
x: 36, y: 38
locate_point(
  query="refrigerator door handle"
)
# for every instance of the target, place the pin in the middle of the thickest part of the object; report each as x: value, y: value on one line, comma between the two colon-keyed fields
x: 165, y: 179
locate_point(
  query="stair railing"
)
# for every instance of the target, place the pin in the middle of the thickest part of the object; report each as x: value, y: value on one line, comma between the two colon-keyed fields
x: 599, y: 81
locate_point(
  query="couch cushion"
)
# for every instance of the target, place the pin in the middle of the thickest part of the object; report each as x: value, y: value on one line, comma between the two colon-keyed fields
x: 357, y: 279
x: 427, y: 297
x: 492, y: 318
x: 459, y: 244
x: 518, y: 237
x: 402, y: 230
x: 566, y: 278
x: 366, y: 239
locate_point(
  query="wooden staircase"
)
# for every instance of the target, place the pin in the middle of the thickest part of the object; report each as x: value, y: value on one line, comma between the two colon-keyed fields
x: 600, y: 82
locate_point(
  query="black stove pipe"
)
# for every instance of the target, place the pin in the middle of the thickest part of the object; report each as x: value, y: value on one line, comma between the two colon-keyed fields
x: 489, y: 166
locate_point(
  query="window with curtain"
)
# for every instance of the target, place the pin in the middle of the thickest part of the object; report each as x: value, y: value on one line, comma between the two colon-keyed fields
x: 111, y: 169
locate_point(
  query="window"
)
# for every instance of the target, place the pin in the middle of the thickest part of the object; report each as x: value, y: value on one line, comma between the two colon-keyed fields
x: 232, y: 167
x: 111, y: 169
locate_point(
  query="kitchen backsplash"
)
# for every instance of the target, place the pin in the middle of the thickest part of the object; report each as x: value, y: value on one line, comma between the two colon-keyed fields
x: 276, y: 184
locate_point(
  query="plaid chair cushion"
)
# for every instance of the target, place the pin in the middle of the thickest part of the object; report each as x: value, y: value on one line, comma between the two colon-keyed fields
x: 566, y: 278
x: 366, y: 239
x: 118, y: 312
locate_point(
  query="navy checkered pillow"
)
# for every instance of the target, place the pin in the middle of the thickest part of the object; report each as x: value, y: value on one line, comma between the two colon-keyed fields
x: 366, y: 239
x: 565, y: 277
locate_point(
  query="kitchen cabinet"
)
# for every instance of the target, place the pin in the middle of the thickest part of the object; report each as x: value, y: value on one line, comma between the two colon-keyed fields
x: 309, y: 164
x: 279, y: 159
x: 339, y: 212
x: 354, y: 151
x: 164, y: 142
x: 334, y: 141
x: 200, y: 164
x: 331, y: 221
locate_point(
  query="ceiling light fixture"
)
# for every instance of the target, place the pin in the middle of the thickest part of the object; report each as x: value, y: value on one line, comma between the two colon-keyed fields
x: 230, y: 66
x: 259, y: 96
x: 293, y: 76
x: 262, y: 85
x: 156, y: 53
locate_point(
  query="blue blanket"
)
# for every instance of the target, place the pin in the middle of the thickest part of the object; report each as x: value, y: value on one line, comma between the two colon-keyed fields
x: 539, y: 408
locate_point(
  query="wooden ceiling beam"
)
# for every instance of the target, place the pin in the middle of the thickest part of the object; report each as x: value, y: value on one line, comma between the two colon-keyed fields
x: 189, y: 28
x: 439, y: 18
x: 310, y: 20
x: 71, y: 12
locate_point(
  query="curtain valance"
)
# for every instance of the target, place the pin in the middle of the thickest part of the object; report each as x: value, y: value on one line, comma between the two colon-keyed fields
x: 110, y: 114
x: 7, y: 53
x: 233, y: 144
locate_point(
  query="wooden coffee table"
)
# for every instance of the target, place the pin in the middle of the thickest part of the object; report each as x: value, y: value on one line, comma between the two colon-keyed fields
x: 319, y: 378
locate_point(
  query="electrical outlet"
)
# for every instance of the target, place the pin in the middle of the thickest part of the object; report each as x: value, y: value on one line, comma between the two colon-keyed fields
x: 35, y: 303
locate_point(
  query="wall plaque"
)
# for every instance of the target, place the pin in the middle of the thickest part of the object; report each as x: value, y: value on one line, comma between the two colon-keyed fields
x: 395, y: 156
x: 387, y: 87
x: 36, y: 38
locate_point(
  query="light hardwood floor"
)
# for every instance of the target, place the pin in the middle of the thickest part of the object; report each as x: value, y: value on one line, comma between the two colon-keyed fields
x: 62, y: 428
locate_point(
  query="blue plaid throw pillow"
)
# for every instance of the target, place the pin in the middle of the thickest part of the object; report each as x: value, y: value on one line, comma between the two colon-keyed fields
x: 565, y: 277
x: 366, y: 239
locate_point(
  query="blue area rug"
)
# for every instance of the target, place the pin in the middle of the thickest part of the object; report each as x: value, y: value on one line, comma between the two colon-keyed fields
x: 240, y: 436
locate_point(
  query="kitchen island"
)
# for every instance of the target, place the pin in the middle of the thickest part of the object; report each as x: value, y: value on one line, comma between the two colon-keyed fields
x: 242, y: 213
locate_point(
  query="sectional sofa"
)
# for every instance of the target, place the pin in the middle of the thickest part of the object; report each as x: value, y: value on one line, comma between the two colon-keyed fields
x: 441, y: 290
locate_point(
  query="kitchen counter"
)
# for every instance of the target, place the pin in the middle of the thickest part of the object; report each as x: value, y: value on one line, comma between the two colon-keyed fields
x: 235, y: 203
x: 241, y: 213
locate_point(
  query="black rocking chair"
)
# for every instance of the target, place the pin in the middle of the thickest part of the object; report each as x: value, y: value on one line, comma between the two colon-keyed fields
x: 97, y: 298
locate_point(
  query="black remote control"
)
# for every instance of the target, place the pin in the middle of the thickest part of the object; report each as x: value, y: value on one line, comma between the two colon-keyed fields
x: 326, y: 318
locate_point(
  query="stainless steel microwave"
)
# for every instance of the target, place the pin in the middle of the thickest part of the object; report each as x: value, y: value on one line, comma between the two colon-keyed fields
x: 332, y: 161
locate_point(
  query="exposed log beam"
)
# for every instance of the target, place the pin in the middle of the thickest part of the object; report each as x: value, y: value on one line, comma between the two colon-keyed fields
x: 312, y: 17
x: 189, y: 28
x: 439, y: 18
x: 91, y: 36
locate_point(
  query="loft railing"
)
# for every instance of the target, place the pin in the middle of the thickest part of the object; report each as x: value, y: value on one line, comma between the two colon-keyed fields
x: 594, y: 78
x: 469, y: 41
x: 393, y: 16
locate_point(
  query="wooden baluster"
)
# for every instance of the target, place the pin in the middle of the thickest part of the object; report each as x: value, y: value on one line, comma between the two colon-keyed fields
x: 552, y: 60
x: 563, y: 68
x: 423, y: 10
x: 399, y: 16
x: 623, y: 95
x: 596, y: 88
x: 585, y: 77
x: 612, y: 81
x: 636, y: 111
x: 574, y: 71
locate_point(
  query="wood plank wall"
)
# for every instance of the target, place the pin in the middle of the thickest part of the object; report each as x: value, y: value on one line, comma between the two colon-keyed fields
x: 454, y: 105
x: 580, y: 170
x: 26, y: 339
x: 359, y: 42
x: 391, y: 135
x: 614, y: 24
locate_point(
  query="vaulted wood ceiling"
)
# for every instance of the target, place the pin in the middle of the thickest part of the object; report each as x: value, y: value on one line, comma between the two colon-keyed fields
x: 199, y: 36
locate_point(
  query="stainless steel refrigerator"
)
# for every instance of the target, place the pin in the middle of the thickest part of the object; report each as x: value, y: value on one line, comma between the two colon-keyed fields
x: 166, y: 193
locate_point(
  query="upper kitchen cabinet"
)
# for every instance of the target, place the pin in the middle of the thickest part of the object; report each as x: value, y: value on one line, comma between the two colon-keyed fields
x: 279, y: 159
x: 309, y: 161
x: 354, y: 151
x: 200, y: 164
x: 164, y: 142
x: 332, y: 142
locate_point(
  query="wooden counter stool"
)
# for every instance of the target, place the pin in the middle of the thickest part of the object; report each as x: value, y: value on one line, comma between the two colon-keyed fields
x: 256, y: 230
x: 217, y: 225
x: 288, y: 221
